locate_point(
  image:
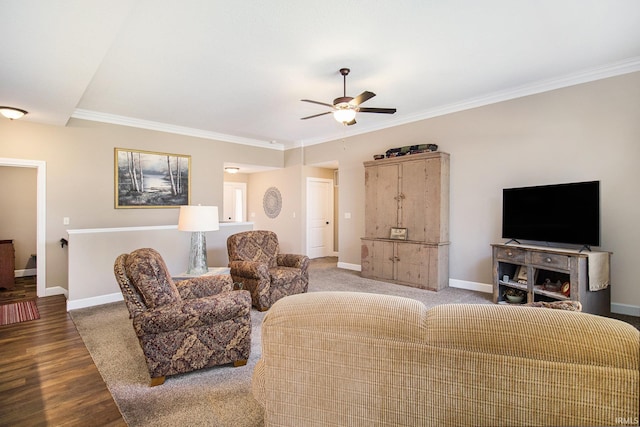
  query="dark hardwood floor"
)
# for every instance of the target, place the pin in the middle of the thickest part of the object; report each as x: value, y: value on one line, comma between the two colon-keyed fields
x: 47, y: 377
x: 24, y: 289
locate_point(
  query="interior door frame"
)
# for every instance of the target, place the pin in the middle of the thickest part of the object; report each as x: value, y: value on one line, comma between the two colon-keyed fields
x: 235, y: 185
x: 41, y: 216
x: 331, y: 209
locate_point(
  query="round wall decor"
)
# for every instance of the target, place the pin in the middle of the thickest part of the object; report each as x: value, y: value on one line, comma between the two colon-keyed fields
x: 272, y: 202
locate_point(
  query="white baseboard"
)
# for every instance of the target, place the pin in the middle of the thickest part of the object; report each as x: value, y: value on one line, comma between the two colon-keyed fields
x: 347, y: 266
x: 629, y: 310
x: 471, y: 286
x: 26, y: 272
x: 90, y: 302
x: 56, y: 290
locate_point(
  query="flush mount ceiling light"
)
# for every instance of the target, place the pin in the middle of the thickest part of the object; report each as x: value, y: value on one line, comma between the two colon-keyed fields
x: 12, y: 113
x: 232, y: 170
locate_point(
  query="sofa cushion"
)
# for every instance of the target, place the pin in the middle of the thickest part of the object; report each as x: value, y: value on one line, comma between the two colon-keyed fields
x: 534, y: 333
x: 148, y: 272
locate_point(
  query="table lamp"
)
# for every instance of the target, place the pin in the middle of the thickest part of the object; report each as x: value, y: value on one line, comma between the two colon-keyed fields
x: 198, y: 219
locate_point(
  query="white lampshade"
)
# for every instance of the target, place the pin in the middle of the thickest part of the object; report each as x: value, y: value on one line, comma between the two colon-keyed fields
x: 344, y: 115
x: 198, y: 218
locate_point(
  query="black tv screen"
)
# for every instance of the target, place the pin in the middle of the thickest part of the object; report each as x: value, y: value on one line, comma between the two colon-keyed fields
x: 562, y: 213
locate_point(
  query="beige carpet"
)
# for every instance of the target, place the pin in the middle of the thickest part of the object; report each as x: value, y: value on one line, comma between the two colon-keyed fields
x: 218, y: 396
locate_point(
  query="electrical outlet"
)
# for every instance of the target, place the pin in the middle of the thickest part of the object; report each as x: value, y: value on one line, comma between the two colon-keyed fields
x: 65, y: 220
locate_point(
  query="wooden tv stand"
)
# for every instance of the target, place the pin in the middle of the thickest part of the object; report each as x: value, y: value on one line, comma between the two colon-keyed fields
x: 534, y: 264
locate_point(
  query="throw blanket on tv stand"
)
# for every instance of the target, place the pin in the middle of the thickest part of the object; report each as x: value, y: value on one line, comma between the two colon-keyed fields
x: 598, y: 270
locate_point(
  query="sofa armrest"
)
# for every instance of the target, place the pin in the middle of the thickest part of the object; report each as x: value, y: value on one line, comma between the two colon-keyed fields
x: 204, y: 286
x: 193, y: 313
x: 293, y: 260
x: 249, y: 270
x: 258, y: 383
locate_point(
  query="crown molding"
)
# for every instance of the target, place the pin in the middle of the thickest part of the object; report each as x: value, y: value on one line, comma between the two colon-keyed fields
x: 627, y: 66
x: 96, y: 116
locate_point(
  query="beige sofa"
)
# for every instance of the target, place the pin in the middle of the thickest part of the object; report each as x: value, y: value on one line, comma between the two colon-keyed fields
x: 354, y: 359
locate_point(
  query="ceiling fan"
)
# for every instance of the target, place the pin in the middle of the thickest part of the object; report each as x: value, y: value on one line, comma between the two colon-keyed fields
x: 344, y: 108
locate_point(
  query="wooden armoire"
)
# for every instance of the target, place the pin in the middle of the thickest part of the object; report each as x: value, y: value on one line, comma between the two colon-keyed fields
x: 409, y: 192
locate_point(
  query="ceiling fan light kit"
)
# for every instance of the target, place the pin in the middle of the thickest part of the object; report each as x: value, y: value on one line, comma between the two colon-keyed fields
x: 344, y: 115
x: 344, y: 108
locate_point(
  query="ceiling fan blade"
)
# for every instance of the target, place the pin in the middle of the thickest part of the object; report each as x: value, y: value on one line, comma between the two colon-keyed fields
x: 364, y: 96
x: 315, y: 115
x: 317, y: 102
x: 377, y: 110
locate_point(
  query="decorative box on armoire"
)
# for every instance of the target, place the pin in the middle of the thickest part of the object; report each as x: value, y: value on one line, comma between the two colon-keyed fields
x: 407, y: 220
x: 7, y: 264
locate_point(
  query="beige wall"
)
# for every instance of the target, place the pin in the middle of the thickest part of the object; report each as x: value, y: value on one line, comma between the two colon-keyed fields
x: 236, y: 177
x: 291, y: 182
x: 80, y: 175
x: 288, y: 224
x: 585, y: 132
x: 18, y: 213
x: 92, y: 253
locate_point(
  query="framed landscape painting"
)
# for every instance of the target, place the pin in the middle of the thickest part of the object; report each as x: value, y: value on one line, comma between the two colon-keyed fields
x: 145, y: 179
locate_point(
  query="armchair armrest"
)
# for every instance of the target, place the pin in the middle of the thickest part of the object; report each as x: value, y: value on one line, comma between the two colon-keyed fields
x: 193, y: 313
x: 293, y: 260
x: 204, y: 286
x: 249, y: 269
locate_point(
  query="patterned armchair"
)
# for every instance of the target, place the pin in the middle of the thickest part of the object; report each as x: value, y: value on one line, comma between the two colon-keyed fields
x: 255, y: 261
x: 184, y: 326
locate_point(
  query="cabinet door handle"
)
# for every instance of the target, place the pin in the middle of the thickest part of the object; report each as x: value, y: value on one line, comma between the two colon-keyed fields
x: 509, y: 253
x: 548, y: 260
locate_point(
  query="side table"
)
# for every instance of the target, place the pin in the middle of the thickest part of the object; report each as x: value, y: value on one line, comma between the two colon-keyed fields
x: 213, y: 271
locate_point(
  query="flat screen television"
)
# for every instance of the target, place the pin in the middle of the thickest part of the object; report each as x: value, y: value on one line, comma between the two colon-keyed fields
x: 561, y: 213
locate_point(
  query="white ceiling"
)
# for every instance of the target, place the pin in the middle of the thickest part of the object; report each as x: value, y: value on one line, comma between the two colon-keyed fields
x: 236, y: 70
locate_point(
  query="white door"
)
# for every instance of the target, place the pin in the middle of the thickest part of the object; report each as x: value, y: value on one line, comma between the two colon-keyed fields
x: 234, y: 202
x: 319, y: 217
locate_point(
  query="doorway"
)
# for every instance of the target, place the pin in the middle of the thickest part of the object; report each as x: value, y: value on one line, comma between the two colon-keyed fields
x: 320, y: 224
x: 41, y: 174
x: 234, y: 202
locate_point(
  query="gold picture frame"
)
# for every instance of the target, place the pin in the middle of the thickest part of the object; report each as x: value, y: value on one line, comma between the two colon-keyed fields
x: 149, y: 179
x: 398, y: 233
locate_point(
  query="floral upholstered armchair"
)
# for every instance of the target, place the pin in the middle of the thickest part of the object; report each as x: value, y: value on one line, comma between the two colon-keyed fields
x: 256, y: 262
x: 187, y: 325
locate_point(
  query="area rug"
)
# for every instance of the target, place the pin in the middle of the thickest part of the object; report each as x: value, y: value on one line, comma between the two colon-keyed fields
x: 218, y: 396
x: 17, y: 312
